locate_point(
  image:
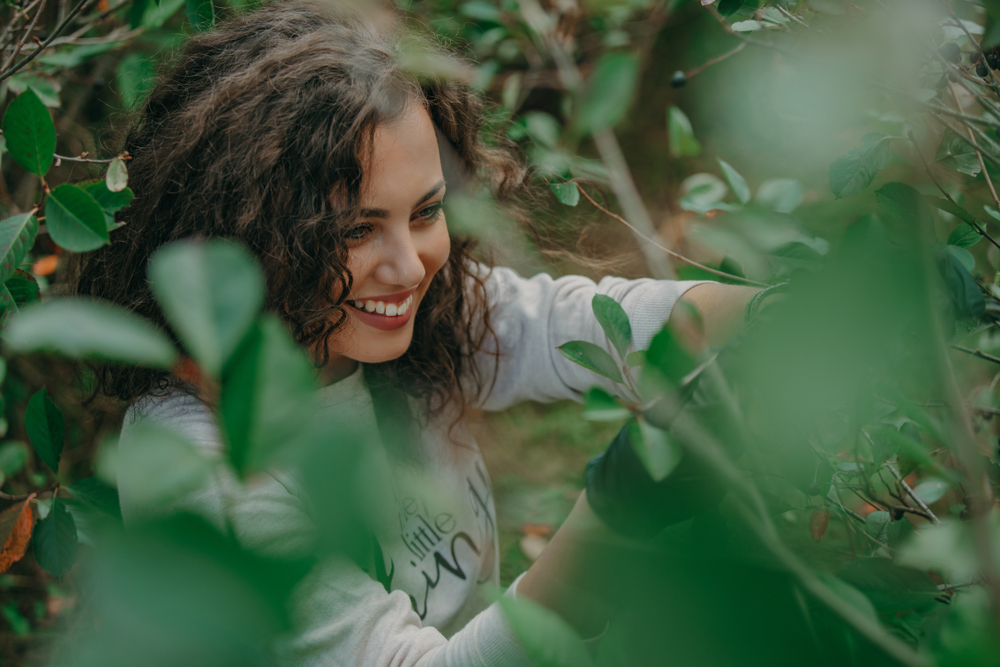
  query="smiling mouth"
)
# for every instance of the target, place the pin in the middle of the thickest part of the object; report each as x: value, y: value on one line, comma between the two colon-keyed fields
x: 383, y: 308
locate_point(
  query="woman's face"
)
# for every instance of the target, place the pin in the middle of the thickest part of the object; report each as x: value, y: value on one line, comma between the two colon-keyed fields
x: 398, y: 243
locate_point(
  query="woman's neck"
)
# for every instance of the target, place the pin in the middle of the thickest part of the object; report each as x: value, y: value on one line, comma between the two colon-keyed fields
x: 336, y: 369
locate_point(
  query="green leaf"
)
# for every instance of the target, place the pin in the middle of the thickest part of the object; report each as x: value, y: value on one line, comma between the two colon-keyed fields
x: 963, y: 256
x: 17, y: 235
x: 117, y: 176
x: 667, y: 359
x: 157, y: 466
x: 854, y: 172
x: 877, y: 525
x: 13, y: 456
x: 135, y: 76
x: 210, y: 293
x: 201, y: 13
x: 702, y: 192
x: 156, y: 16
x: 657, y: 451
x: 70, y: 58
x: 681, y: 135
x: 780, y: 194
x: 957, y: 154
x: 736, y: 182
x: 110, y: 202
x: 75, y: 220
x: 30, y: 133
x: 614, y: 321
x: 609, y: 92
x: 22, y: 287
x: 891, y: 588
x: 950, y: 207
x: 637, y: 358
x: 87, y: 329
x: 600, y: 406
x: 46, y: 428
x: 567, y: 193
x: 903, y: 203
x: 266, y: 397
x: 55, y: 541
x: 98, y: 495
x: 962, y: 288
x: 964, y: 236
x: 46, y: 88
x: 548, y: 640
x: 931, y: 490
x: 591, y: 357
x: 136, y: 12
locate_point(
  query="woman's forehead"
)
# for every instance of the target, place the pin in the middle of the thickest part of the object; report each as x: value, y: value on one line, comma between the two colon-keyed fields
x: 404, y: 162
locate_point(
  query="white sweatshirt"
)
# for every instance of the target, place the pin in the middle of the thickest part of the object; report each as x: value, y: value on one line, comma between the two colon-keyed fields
x: 434, y: 518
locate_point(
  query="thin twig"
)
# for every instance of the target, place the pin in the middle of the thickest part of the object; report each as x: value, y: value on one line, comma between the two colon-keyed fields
x: 44, y: 45
x: 975, y: 146
x: 977, y: 353
x: 10, y: 26
x: 27, y: 31
x: 670, y: 252
x: 82, y: 158
x: 927, y: 167
x: 906, y: 487
x: 712, y: 61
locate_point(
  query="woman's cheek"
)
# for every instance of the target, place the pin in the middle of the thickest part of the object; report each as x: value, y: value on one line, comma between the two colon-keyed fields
x: 440, y: 248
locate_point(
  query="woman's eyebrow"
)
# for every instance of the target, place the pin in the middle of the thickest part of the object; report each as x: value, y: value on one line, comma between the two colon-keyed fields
x: 382, y: 213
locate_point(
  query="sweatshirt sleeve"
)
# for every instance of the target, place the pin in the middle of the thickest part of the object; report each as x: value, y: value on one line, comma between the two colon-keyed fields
x: 531, y: 317
x: 342, y: 617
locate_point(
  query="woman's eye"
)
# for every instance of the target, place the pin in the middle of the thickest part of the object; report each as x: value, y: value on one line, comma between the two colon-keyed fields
x: 358, y: 232
x: 431, y: 213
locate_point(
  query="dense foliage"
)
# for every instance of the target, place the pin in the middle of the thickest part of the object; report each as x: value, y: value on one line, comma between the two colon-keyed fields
x: 840, y: 154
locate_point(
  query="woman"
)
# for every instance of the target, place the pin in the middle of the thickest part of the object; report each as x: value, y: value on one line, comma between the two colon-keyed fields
x: 295, y: 132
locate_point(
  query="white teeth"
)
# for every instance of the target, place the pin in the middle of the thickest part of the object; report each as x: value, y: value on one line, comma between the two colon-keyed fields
x: 383, y: 308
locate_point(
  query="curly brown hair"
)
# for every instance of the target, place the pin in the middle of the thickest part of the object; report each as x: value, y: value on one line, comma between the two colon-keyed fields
x: 259, y: 133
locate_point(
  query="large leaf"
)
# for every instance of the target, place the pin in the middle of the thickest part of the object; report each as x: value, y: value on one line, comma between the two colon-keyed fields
x: 86, y: 329
x: 8, y: 307
x: 17, y: 235
x: 201, y: 13
x: 157, y: 467
x: 110, y: 202
x: 614, y: 321
x: 46, y: 428
x: 681, y: 135
x: 593, y: 357
x: 16, y: 524
x: 736, y: 182
x: 157, y: 14
x: 30, y: 133
x: 267, y: 395
x: 98, y: 495
x: 957, y: 154
x: 211, y: 293
x: 548, y: 640
x: 905, y: 204
x: 55, y: 540
x: 855, y: 171
x: 962, y: 288
x: 609, y: 93
x: 891, y: 588
x: 75, y: 220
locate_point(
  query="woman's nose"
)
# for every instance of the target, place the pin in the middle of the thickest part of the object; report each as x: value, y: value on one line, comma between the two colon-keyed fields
x: 400, y: 263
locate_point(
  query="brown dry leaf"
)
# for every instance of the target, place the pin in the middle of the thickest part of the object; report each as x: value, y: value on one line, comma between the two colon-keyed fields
x: 16, y: 524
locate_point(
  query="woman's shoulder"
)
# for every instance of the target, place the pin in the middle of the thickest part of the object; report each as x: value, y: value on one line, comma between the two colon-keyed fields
x: 180, y: 411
